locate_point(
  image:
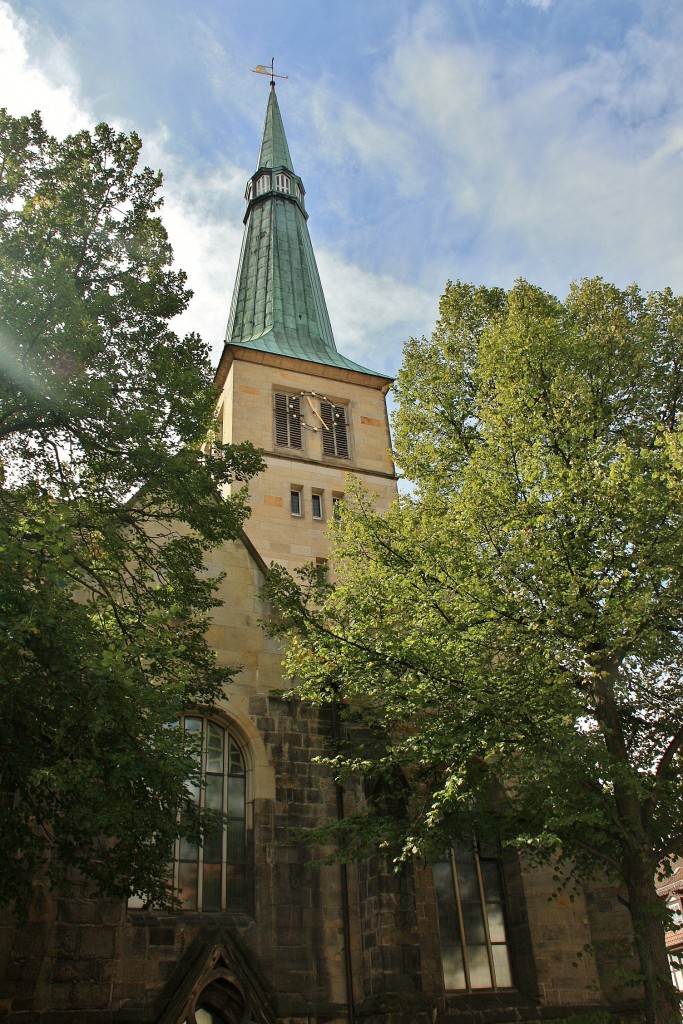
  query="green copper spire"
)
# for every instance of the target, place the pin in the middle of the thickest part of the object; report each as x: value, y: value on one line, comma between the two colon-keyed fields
x: 278, y: 304
x: 274, y: 148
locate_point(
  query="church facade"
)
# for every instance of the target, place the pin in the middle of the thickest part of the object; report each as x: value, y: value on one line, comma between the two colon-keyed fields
x: 267, y: 935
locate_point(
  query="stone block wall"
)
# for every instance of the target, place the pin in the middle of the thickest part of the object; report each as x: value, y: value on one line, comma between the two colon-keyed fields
x: 87, y: 959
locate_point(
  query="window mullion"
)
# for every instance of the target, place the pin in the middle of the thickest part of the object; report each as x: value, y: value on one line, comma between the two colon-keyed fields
x: 461, y: 920
x: 485, y: 916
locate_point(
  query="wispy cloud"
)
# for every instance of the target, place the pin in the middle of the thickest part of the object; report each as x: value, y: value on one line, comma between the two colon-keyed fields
x: 372, y: 314
x: 483, y: 140
x: 543, y: 5
x: 203, y: 201
x: 202, y: 213
x: 551, y: 169
x: 52, y: 87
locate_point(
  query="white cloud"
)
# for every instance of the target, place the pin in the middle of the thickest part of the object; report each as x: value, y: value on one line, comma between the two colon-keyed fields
x: 25, y: 86
x: 202, y: 214
x: 550, y: 170
x: 543, y: 5
x: 203, y: 209
x: 203, y: 218
x: 372, y: 314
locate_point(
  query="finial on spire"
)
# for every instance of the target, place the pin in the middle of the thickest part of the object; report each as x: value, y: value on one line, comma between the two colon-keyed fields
x: 260, y: 69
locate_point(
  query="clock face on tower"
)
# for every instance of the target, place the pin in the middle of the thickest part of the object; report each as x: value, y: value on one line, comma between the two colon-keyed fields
x: 309, y: 410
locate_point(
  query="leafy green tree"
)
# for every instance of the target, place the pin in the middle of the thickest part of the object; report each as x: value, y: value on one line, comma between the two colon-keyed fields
x: 512, y: 630
x: 109, y: 498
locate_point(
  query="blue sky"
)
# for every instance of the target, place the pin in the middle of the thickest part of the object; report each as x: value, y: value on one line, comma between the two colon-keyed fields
x: 476, y: 139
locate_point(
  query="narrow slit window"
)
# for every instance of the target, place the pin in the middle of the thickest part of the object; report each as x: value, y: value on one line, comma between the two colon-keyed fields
x: 288, y: 432
x: 335, y: 433
x: 295, y: 501
x: 317, y: 506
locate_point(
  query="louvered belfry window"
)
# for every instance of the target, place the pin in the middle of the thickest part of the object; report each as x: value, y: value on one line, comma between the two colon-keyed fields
x: 288, y: 421
x: 335, y: 435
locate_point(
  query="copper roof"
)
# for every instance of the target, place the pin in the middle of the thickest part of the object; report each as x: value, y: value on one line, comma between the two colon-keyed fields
x: 278, y: 304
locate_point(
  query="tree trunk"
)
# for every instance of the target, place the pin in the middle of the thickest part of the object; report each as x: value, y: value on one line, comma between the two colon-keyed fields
x: 662, y: 1004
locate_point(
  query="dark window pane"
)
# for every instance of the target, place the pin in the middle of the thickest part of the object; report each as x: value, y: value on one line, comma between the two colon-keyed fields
x: 187, y: 885
x: 464, y: 853
x: 490, y: 874
x: 501, y: 964
x: 468, y: 883
x: 187, y: 850
x: 213, y: 848
x: 211, y: 895
x: 449, y: 928
x: 496, y: 921
x: 465, y: 918
x: 478, y: 963
x: 213, y: 796
x: 236, y: 759
x: 473, y: 920
x: 214, y: 748
x: 453, y: 969
x: 236, y: 847
x: 443, y: 883
x: 236, y: 887
x: 220, y: 774
x: 236, y: 793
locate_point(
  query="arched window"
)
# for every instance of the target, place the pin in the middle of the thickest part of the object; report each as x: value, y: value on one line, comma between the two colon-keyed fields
x: 262, y: 184
x: 282, y: 183
x: 212, y: 877
x: 470, y: 899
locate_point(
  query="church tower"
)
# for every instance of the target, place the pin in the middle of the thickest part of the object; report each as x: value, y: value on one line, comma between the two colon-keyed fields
x: 316, y: 414
x: 267, y: 933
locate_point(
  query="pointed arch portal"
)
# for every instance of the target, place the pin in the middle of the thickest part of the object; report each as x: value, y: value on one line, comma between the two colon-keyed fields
x: 216, y: 984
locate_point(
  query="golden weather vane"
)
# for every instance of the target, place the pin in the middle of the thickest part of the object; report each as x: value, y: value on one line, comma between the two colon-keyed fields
x: 267, y: 69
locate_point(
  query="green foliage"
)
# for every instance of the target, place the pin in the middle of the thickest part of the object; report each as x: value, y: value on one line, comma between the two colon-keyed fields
x: 511, y: 632
x: 109, y: 498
